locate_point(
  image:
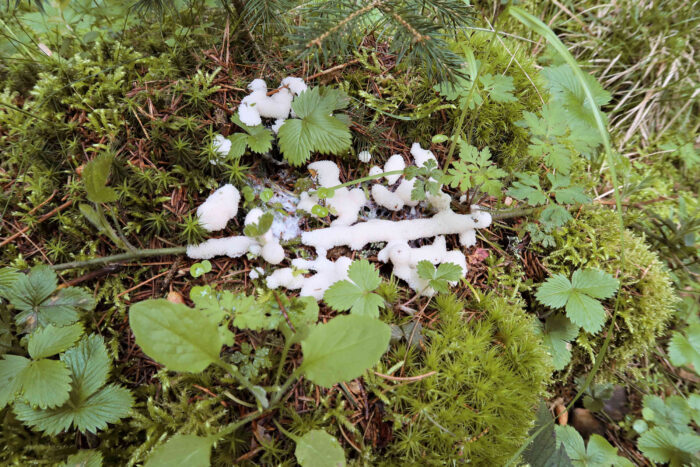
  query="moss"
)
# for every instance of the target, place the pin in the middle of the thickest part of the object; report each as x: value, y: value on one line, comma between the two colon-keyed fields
x: 490, y: 371
x: 646, y: 296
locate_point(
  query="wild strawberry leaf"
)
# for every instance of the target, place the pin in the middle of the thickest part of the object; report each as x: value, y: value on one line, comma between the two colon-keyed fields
x: 356, y: 295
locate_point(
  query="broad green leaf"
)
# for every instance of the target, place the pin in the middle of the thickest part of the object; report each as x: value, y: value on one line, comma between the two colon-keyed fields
x: 95, y: 176
x: 84, y: 458
x: 8, y: 276
x: 239, y: 143
x: 11, y: 366
x: 661, y: 445
x: 89, y: 365
x: 555, y: 291
x: 364, y: 275
x: 182, y: 451
x: 316, y: 129
x: 50, y: 340
x: 179, y: 337
x: 108, y: 405
x: 595, y: 283
x: 673, y: 412
x: 558, y: 332
x: 684, y: 349
x: 31, y: 290
x: 343, y: 348
x: 598, y: 453
x: 319, y: 449
x: 439, y: 278
x: 45, y: 383
x: 585, y: 311
x: 573, y: 443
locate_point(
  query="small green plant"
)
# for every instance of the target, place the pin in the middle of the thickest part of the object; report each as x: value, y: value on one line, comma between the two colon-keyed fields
x: 190, y: 340
x: 666, y: 434
x: 315, y: 129
x: 580, y: 296
x: 357, y: 294
x: 475, y: 171
x: 684, y: 348
x: 597, y: 453
x: 257, y: 138
x: 439, y: 278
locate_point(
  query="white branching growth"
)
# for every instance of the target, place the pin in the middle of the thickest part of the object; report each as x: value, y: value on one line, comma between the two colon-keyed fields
x: 345, y: 205
x: 277, y: 106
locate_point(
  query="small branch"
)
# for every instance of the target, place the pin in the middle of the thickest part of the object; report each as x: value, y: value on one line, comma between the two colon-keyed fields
x: 405, y: 378
x: 178, y: 250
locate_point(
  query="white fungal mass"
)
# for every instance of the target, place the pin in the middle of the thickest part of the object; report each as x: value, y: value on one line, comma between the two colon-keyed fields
x: 344, y: 205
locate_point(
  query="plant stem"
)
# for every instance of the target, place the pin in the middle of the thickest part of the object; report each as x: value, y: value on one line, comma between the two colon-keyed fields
x: 364, y: 179
x: 178, y: 250
x: 281, y: 391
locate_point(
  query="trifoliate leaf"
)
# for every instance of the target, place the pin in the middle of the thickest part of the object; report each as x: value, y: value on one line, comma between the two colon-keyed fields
x: 95, y: 174
x: 528, y: 189
x: 84, y: 458
x: 558, y: 332
x: 45, y: 383
x: 319, y: 449
x: 316, y: 129
x: 50, y: 340
x: 90, y: 406
x: 598, y: 453
x: 179, y: 337
x: 499, y: 88
x: 684, y: 349
x: 673, y: 412
x: 555, y: 291
x: 578, y: 296
x: 357, y: 295
x: 182, y: 451
x: 31, y: 294
x: 594, y: 282
x: 239, y: 143
x: 11, y: 366
x: 343, y: 348
x: 440, y: 277
x: 662, y: 445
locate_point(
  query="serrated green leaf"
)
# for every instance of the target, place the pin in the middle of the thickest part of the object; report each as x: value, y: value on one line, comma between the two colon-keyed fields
x: 661, y: 445
x: 595, y: 283
x: 598, y: 453
x: 89, y: 365
x: 319, y: 449
x: 573, y: 443
x: 673, y: 412
x: 84, y: 458
x: 343, y: 348
x: 8, y: 276
x: 684, y: 349
x: 95, y: 176
x: 10, y: 367
x: 585, y: 311
x: 179, y: 337
x: 50, y: 340
x: 558, y: 332
x: 555, y: 291
x: 239, y: 143
x: 45, y: 383
x: 30, y: 290
x: 182, y: 451
x: 88, y: 407
x: 250, y: 314
x: 357, y: 296
x: 316, y: 130
x: 108, y: 405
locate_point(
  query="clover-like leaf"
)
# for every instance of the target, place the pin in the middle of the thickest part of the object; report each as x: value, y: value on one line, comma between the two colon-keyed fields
x: 356, y: 295
x: 579, y: 296
x: 440, y: 277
